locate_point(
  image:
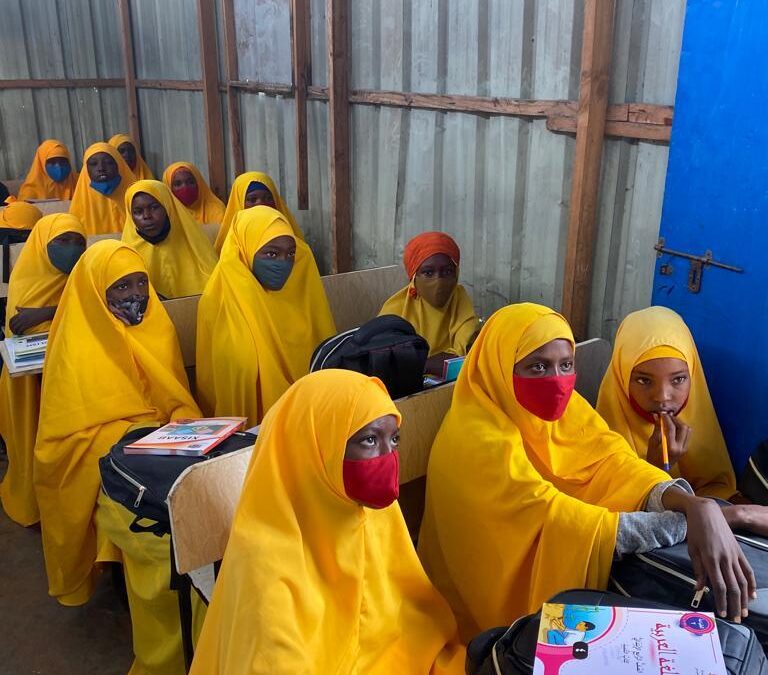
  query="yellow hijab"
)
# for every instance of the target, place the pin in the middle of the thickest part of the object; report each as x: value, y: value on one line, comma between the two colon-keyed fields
x: 252, y: 344
x: 236, y: 204
x: 101, y: 214
x: 180, y: 264
x: 38, y: 184
x: 518, y: 508
x: 208, y: 208
x: 142, y: 171
x: 100, y: 377
x: 312, y: 582
x: 707, y: 465
x: 34, y: 282
x: 19, y: 215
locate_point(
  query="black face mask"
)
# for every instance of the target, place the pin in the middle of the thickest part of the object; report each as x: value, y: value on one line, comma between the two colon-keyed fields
x: 130, y: 310
x: 160, y: 236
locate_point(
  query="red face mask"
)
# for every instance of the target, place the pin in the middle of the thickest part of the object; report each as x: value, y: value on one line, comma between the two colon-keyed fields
x: 186, y: 194
x: 374, y: 482
x: 545, y: 397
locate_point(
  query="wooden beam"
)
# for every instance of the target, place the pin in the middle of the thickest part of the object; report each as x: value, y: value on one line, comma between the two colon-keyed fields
x: 170, y: 85
x: 129, y: 73
x: 82, y: 83
x: 233, y: 73
x: 633, y: 130
x: 302, y: 78
x: 585, y: 186
x: 268, y: 88
x: 338, y: 122
x: 214, y: 123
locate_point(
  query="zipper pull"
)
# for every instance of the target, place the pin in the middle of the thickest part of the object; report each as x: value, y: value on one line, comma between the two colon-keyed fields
x: 141, y: 494
x: 697, y: 596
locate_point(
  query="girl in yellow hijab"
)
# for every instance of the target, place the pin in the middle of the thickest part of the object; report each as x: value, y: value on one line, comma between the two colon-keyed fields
x: 127, y: 147
x: 529, y: 493
x: 99, y: 199
x: 260, y: 317
x: 178, y: 255
x: 250, y: 189
x: 189, y: 187
x: 314, y: 580
x: 19, y: 215
x: 113, y: 361
x: 36, y: 284
x: 51, y: 175
x: 433, y: 302
x: 635, y: 399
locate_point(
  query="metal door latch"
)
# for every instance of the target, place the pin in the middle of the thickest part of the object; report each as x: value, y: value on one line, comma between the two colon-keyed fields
x: 697, y: 264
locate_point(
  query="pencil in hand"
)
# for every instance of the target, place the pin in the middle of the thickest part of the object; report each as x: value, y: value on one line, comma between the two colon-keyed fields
x: 664, y: 446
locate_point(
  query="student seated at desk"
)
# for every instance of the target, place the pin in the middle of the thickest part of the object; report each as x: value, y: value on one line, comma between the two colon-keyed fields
x: 434, y: 301
x: 113, y: 362
x: 320, y: 575
x: 178, y: 255
x: 99, y: 199
x: 37, y: 281
x: 260, y: 317
x: 250, y: 189
x: 529, y: 493
x: 126, y: 146
x: 19, y: 215
x: 189, y: 187
x: 51, y: 175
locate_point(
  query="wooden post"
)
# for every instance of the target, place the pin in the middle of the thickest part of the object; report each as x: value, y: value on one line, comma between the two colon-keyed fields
x: 233, y: 102
x: 214, y: 124
x: 590, y: 131
x: 302, y: 78
x: 338, y: 123
x: 129, y: 72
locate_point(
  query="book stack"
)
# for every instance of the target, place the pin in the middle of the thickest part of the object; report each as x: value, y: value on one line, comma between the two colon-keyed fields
x: 26, y: 352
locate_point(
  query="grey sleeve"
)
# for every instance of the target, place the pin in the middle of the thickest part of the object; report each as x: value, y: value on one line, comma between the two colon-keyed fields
x: 653, y: 503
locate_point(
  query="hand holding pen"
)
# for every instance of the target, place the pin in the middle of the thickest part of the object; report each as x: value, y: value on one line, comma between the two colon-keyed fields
x: 668, y: 442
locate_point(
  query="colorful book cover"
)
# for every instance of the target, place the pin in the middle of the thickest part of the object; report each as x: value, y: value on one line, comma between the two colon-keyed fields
x: 186, y: 437
x: 586, y: 640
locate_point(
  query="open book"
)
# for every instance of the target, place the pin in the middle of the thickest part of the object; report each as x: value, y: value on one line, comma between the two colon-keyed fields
x: 187, y: 437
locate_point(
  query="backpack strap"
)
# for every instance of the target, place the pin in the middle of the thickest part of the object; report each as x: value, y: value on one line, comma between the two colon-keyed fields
x: 158, y: 529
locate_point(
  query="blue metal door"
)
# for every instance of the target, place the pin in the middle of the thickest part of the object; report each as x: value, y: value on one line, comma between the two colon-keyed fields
x: 716, y: 201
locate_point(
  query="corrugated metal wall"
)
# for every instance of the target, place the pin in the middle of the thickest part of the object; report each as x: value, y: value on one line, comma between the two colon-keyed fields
x: 501, y: 185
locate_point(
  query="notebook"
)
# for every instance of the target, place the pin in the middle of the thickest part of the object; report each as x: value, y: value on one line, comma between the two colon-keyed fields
x: 192, y: 438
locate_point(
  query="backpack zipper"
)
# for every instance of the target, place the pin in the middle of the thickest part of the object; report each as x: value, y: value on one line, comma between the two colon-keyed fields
x: 132, y: 481
x: 697, y: 596
x: 342, y: 338
x: 752, y: 542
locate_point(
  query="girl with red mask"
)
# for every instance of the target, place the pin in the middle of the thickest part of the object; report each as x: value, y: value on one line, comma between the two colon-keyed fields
x: 529, y: 493
x: 189, y: 187
x: 320, y: 575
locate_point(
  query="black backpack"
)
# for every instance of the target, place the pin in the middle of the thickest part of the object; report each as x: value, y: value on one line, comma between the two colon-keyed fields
x: 510, y: 650
x: 753, y: 483
x: 141, y: 482
x: 387, y: 347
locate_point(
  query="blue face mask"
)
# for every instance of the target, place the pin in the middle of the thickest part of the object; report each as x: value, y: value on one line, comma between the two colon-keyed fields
x: 106, y: 187
x: 64, y: 256
x: 272, y: 274
x: 58, y: 172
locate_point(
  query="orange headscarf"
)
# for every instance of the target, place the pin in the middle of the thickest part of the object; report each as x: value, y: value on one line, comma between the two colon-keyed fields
x: 19, y: 215
x: 313, y: 582
x: 425, y: 245
x: 101, y: 214
x: 38, y: 184
x: 142, y: 171
x: 208, y: 208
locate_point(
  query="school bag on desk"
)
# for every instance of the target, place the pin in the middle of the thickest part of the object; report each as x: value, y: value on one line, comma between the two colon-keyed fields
x: 753, y: 483
x: 510, y: 650
x: 666, y: 575
x: 387, y: 347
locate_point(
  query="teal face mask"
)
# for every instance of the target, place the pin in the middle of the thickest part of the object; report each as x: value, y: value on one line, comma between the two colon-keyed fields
x: 64, y: 256
x: 272, y: 274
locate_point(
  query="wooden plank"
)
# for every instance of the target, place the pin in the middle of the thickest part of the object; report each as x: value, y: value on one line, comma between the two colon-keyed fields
x: 172, y: 85
x: 637, y: 130
x: 233, y: 101
x: 336, y: 12
x: 590, y: 132
x: 302, y: 77
x: 81, y: 83
x: 214, y: 124
x: 268, y: 88
x: 129, y: 71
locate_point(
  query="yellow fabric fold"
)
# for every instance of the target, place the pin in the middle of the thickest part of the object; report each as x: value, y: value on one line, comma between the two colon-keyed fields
x: 518, y: 508
x: 99, y: 378
x: 181, y: 264
x: 311, y: 581
x: 447, y: 329
x: 101, y: 214
x: 658, y: 332
x: 38, y: 184
x: 236, y: 203
x: 252, y: 343
x: 208, y: 208
x: 142, y: 171
x: 19, y: 215
x: 34, y: 282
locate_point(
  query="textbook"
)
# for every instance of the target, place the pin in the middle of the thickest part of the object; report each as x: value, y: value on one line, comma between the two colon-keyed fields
x: 624, y: 640
x: 26, y: 352
x: 191, y: 438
